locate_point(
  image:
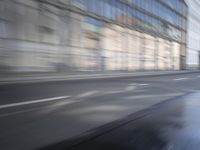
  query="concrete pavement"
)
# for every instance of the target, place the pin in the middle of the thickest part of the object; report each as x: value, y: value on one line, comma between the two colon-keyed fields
x: 35, y: 115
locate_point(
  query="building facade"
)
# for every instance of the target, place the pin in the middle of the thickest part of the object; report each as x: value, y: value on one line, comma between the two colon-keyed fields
x: 92, y: 35
x: 193, y: 40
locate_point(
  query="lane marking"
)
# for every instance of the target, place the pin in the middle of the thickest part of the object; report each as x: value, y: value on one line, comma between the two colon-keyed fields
x: 86, y: 94
x: 130, y: 88
x: 112, y: 92
x: 133, y: 84
x: 143, y: 84
x: 33, y: 101
x: 178, y: 79
x: 46, y: 108
x: 140, y: 84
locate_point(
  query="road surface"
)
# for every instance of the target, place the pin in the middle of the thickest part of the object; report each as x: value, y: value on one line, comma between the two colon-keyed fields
x: 39, y: 115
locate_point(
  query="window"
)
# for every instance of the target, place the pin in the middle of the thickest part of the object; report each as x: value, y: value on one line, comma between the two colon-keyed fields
x: 141, y: 18
x: 155, y: 7
x: 136, y: 2
x: 99, y: 7
x: 107, y: 10
x: 155, y: 24
x: 134, y: 16
x: 120, y: 12
x: 82, y: 4
x: 184, y: 9
x: 129, y: 16
x: 171, y: 3
x: 92, y: 6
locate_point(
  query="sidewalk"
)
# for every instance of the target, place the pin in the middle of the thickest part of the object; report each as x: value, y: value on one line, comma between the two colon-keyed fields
x: 46, y: 77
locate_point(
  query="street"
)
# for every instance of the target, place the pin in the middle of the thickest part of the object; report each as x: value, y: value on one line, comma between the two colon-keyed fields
x: 63, y: 113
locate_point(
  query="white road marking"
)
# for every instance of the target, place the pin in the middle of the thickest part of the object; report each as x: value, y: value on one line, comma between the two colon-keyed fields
x: 33, y: 101
x: 178, y: 79
x: 43, y: 108
x: 130, y: 88
x: 86, y: 94
x: 143, y: 84
x: 134, y: 84
x: 112, y: 92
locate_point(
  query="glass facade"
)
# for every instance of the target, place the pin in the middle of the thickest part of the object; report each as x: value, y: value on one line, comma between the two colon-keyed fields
x: 99, y: 35
x: 151, y: 14
x: 193, y: 35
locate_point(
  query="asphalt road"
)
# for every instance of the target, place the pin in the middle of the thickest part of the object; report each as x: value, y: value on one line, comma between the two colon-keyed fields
x: 62, y: 114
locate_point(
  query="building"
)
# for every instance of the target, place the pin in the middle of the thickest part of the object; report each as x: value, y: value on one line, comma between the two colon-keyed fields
x: 193, y: 36
x: 92, y: 35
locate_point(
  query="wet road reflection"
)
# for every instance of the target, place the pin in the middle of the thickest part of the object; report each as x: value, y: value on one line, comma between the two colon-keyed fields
x: 172, y: 125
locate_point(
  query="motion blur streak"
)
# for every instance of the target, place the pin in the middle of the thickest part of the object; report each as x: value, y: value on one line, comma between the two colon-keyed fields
x: 99, y: 74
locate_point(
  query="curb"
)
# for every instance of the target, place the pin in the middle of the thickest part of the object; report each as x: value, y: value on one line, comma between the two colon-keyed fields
x: 89, y: 77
